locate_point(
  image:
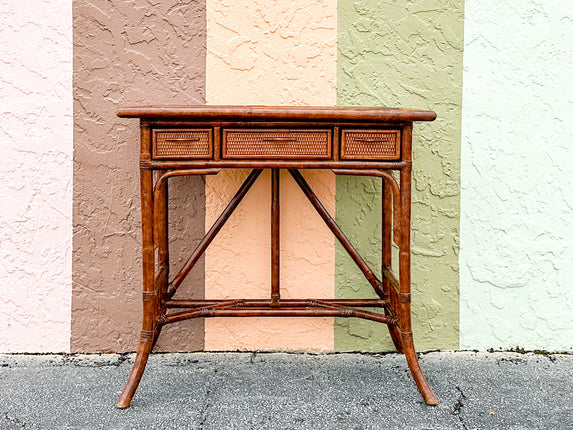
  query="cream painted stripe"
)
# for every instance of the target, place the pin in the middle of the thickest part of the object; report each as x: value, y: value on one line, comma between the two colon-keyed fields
x: 270, y: 53
x: 36, y: 181
x: 516, y: 205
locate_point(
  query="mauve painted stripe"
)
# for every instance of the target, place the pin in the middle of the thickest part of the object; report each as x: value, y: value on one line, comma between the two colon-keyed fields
x: 152, y: 54
x: 270, y: 53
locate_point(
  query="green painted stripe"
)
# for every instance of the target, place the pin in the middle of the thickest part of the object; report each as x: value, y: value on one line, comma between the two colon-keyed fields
x: 405, y: 54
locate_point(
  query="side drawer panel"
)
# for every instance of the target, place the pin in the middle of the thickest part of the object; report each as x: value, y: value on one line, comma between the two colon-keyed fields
x: 370, y: 145
x: 183, y: 143
x: 277, y: 143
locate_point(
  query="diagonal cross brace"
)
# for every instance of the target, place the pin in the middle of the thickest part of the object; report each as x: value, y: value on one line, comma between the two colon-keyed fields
x: 227, y: 212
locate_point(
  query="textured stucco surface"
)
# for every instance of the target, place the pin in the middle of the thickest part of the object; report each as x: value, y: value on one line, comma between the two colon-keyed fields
x: 36, y: 178
x: 405, y: 54
x: 128, y: 52
x: 270, y: 53
x: 516, y: 227
x: 266, y: 52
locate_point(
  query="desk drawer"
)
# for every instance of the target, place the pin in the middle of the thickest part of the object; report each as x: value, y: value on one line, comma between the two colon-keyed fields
x: 370, y: 145
x: 183, y: 143
x: 277, y: 143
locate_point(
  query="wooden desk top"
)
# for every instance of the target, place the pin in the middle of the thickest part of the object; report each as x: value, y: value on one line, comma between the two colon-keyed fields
x: 265, y: 113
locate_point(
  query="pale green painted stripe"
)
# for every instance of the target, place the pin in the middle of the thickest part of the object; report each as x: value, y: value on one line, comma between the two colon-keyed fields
x: 516, y: 230
x: 406, y: 54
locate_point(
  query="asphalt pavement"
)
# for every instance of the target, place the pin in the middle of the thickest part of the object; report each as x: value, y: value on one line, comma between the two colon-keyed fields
x: 498, y: 390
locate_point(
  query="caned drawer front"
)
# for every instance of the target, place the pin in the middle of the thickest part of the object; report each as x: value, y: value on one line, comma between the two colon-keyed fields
x: 183, y: 143
x: 370, y: 145
x: 272, y: 144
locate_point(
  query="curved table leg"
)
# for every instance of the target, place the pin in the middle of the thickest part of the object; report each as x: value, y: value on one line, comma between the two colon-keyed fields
x: 404, y: 296
x: 423, y: 386
x: 150, y: 296
x: 143, y: 351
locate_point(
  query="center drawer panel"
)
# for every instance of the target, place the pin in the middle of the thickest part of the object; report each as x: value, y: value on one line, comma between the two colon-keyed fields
x: 276, y: 143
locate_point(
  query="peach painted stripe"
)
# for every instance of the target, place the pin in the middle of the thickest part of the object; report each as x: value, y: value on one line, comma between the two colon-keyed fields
x: 270, y: 53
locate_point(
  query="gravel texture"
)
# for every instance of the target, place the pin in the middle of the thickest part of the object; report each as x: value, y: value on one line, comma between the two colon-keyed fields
x: 288, y: 391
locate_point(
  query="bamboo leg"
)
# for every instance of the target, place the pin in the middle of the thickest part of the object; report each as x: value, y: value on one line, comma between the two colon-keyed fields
x: 161, y: 240
x: 149, y: 296
x: 389, y: 291
x: 275, y: 238
x: 404, y: 311
x: 141, y: 357
x: 414, y: 365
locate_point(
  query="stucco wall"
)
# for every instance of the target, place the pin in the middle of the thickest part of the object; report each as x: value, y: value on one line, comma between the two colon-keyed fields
x: 36, y: 175
x: 516, y: 256
x: 126, y: 55
x: 515, y: 287
x: 405, y: 54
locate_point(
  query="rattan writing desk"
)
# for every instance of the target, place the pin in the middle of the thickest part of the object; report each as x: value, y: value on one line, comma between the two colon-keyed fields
x: 202, y: 140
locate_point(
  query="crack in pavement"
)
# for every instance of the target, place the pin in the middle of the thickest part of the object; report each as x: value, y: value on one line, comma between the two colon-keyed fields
x: 457, y: 409
x: 207, y: 403
x: 14, y: 421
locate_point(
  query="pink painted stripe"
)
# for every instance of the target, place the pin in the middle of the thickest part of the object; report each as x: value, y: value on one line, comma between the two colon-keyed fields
x: 36, y: 162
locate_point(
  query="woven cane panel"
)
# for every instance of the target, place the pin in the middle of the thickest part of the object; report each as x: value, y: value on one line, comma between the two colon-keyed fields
x: 370, y: 144
x: 183, y: 144
x: 265, y: 144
